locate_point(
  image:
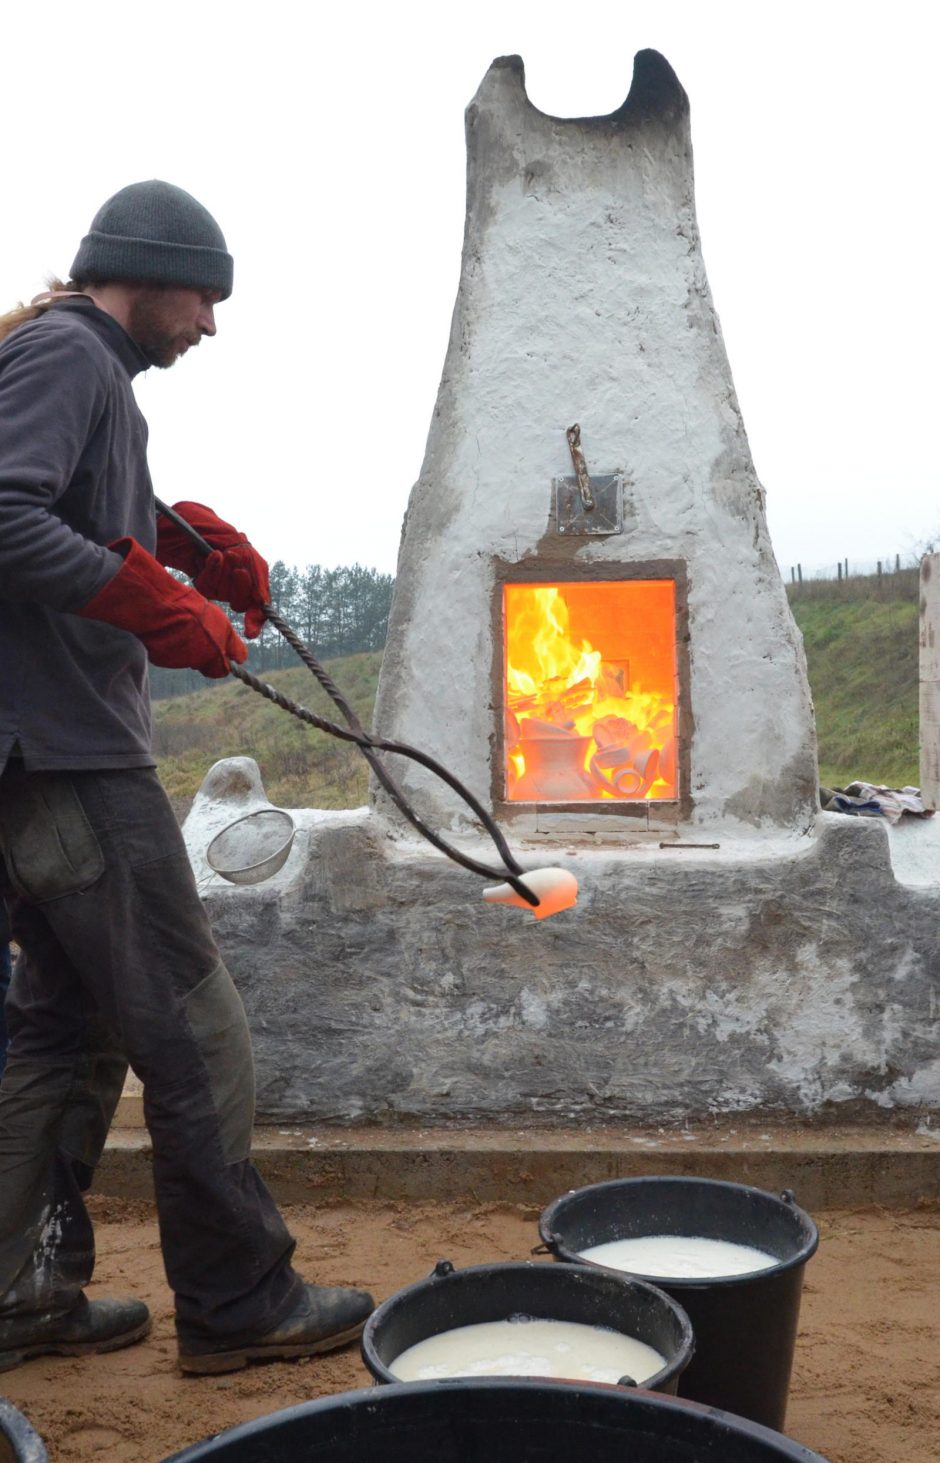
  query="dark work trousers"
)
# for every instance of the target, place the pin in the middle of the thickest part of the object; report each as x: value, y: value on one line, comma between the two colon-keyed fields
x: 118, y: 965
x: 4, y: 987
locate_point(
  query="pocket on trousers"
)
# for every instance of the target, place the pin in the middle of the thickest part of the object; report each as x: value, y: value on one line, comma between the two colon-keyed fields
x: 49, y: 846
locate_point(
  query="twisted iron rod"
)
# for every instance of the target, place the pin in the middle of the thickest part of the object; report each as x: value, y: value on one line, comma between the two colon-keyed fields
x: 369, y: 745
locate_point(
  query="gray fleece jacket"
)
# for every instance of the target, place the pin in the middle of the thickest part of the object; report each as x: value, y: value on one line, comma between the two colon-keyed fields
x: 73, y: 477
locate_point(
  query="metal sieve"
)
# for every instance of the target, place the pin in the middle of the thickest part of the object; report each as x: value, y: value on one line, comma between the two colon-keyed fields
x: 252, y: 848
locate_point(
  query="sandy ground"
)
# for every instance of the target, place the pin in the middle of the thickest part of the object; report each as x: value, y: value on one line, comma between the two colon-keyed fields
x: 866, y: 1384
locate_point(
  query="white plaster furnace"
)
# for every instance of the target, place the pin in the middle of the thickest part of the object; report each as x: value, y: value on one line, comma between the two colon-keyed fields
x: 590, y: 630
x: 674, y: 684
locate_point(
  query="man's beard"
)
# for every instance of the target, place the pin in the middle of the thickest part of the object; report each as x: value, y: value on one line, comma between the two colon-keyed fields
x: 147, y: 326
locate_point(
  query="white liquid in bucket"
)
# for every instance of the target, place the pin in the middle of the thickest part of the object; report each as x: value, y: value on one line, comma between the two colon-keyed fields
x: 679, y: 1257
x: 529, y: 1348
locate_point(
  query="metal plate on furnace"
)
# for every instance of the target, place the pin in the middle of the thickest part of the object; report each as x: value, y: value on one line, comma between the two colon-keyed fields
x: 607, y: 514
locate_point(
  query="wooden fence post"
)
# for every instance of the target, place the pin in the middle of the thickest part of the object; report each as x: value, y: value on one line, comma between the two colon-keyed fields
x: 930, y: 679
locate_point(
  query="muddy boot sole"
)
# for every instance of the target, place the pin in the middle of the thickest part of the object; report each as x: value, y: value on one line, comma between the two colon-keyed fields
x: 241, y: 1356
x: 15, y: 1356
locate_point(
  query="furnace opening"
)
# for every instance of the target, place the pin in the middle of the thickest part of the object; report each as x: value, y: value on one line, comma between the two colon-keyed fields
x: 590, y: 691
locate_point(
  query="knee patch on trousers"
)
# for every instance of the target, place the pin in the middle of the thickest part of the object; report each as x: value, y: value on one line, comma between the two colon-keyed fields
x: 217, y: 1021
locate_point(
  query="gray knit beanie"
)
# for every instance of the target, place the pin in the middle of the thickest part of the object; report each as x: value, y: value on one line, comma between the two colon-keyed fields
x: 153, y: 231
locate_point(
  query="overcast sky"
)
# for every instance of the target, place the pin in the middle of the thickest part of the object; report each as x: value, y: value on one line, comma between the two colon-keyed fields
x: 328, y: 142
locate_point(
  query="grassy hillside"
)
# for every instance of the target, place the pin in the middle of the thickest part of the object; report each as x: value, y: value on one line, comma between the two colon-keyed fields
x: 861, y: 639
x: 300, y: 767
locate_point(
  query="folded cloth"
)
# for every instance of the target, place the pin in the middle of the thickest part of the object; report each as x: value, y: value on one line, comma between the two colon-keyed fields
x: 874, y: 800
x: 840, y: 802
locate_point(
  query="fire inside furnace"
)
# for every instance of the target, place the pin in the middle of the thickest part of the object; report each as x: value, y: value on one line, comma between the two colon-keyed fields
x: 590, y: 691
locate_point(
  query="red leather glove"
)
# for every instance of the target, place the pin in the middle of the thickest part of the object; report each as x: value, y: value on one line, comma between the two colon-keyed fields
x: 178, y: 626
x: 235, y: 572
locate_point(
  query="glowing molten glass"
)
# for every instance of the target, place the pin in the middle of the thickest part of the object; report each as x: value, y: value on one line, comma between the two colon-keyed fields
x: 590, y: 691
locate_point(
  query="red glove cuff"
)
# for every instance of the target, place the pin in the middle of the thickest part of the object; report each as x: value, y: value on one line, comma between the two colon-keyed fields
x: 176, y: 624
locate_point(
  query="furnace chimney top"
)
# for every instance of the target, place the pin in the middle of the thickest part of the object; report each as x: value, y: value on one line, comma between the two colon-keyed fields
x: 656, y: 93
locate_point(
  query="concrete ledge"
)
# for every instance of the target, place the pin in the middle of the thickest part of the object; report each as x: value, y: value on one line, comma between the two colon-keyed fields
x: 826, y: 1167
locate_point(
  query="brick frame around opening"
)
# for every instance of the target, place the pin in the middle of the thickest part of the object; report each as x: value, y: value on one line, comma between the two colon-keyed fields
x: 563, y: 571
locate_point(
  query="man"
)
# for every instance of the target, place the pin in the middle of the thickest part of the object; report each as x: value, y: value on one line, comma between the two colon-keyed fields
x: 5, y: 972
x: 118, y: 962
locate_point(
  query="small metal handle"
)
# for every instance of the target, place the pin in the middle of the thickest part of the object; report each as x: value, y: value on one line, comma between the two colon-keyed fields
x: 542, y: 1250
x: 580, y: 468
x: 627, y: 1382
x: 788, y: 1196
x: 442, y: 1268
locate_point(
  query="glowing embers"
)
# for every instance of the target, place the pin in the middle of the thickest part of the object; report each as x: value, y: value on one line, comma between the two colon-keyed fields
x: 590, y: 691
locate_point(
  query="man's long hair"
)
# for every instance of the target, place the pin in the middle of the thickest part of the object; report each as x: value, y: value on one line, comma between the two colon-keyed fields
x: 20, y: 314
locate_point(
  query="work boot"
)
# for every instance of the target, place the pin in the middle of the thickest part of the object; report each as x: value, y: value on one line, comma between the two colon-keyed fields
x: 325, y: 1317
x: 90, y: 1326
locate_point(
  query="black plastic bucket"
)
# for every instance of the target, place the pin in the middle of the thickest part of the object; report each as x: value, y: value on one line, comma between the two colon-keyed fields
x: 449, y: 1298
x: 744, y: 1325
x: 19, y: 1441
x: 501, y: 1420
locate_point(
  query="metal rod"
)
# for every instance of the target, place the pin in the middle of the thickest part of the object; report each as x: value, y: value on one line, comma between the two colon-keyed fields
x: 690, y: 845
x: 369, y: 744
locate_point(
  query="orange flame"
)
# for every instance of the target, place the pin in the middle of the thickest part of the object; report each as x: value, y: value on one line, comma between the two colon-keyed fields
x: 590, y: 705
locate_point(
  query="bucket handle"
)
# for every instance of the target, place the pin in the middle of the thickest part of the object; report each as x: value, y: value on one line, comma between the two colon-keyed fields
x: 442, y: 1268
x: 626, y: 1381
x: 788, y: 1196
x: 542, y: 1250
